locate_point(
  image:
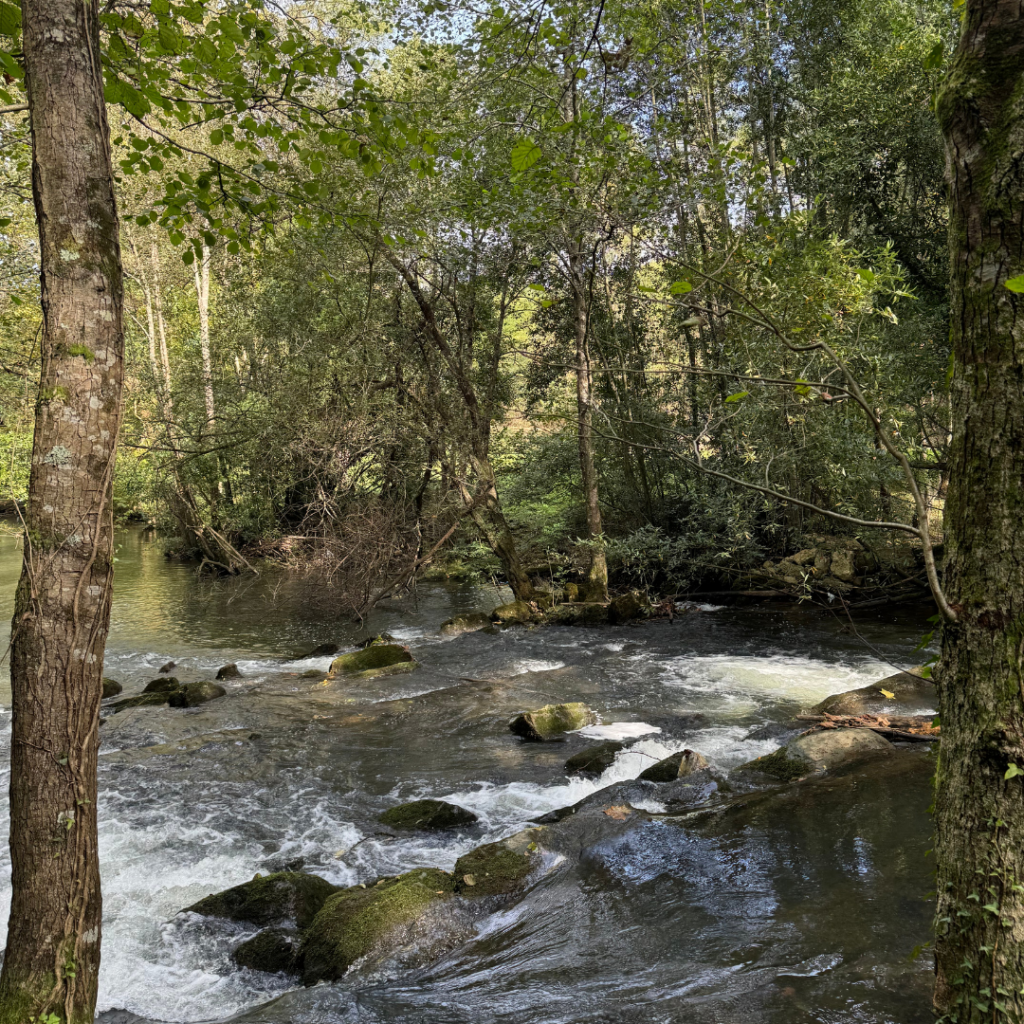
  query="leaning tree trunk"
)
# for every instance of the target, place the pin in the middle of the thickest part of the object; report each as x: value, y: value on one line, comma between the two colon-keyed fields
x: 62, y: 607
x: 979, y: 807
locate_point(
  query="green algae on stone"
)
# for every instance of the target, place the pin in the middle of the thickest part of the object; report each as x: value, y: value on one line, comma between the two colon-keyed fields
x: 270, y: 899
x: 552, y: 721
x: 427, y: 815
x: 192, y: 694
x: 498, y: 869
x: 273, y: 950
x: 473, y: 622
x: 594, y: 760
x: 627, y: 607
x: 778, y: 765
x: 512, y: 613
x: 168, y: 685
x: 820, y: 751
x: 155, y: 698
x: 111, y: 688
x: 375, y: 660
x: 358, y: 920
x: 577, y: 615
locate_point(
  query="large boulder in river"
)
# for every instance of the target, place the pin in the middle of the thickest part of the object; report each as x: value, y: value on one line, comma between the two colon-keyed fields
x: 512, y: 613
x: 111, y: 688
x: 155, y: 694
x: 229, y: 672
x: 193, y: 694
x: 286, y: 896
x: 912, y: 694
x: 427, y: 816
x: 472, y: 622
x: 675, y: 766
x: 376, y: 660
x: 627, y: 607
x: 355, y: 921
x: 592, y: 614
x: 818, y: 752
x: 498, y: 869
x: 273, y: 950
x: 552, y: 721
x: 168, y: 685
x: 594, y: 760
x: 322, y: 651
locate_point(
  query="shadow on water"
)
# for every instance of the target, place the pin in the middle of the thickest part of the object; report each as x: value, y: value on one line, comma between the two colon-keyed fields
x: 796, y: 905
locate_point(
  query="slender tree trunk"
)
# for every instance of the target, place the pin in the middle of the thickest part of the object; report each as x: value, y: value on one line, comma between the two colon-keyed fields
x: 597, y: 571
x: 979, y: 811
x: 201, y: 269
x: 62, y: 607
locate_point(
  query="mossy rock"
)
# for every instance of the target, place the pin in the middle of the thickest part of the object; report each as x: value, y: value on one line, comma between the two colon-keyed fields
x: 358, y: 920
x: 498, y: 869
x: 323, y: 651
x: 229, y: 672
x: 594, y: 760
x: 675, y: 766
x: 551, y: 722
x: 577, y: 615
x: 111, y: 688
x: 628, y: 607
x: 819, y: 751
x: 269, y: 900
x: 169, y: 685
x: 912, y: 694
x: 274, y: 951
x: 167, y: 667
x: 312, y: 673
x: 375, y: 660
x: 193, y: 694
x: 143, y: 700
x: 572, y: 592
x: 427, y: 816
x: 471, y: 623
x: 515, y: 612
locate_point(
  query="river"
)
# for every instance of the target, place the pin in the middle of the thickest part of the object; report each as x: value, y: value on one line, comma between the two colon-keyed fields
x: 804, y: 908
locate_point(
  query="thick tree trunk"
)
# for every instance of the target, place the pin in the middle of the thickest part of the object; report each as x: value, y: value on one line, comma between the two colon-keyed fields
x: 979, y: 948
x: 62, y: 608
x: 597, y: 570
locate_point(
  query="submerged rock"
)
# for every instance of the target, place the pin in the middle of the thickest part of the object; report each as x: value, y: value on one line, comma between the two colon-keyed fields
x: 229, y: 672
x: 153, y: 699
x: 323, y: 651
x: 498, y: 869
x: 471, y: 623
x: 357, y: 920
x: 312, y: 673
x: 594, y: 760
x: 274, y: 950
x: 819, y: 751
x: 912, y: 695
x: 192, y: 694
x: 627, y: 607
x: 675, y: 766
x: 169, y: 667
x: 111, y: 688
x: 427, y: 815
x: 512, y: 613
x: 269, y: 900
x: 552, y: 721
x: 376, y: 660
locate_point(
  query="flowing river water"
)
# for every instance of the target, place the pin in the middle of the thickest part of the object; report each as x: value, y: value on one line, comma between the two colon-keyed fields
x: 806, y: 906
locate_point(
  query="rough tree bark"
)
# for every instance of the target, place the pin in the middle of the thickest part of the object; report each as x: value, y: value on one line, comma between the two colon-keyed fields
x: 979, y: 945
x: 62, y: 607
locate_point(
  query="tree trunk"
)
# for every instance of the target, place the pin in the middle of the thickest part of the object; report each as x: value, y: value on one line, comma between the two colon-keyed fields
x: 979, y: 811
x: 62, y: 607
x: 201, y: 269
x: 597, y: 571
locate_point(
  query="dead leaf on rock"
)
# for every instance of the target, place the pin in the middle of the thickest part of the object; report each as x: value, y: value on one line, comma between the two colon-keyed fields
x: 469, y: 879
x: 619, y: 812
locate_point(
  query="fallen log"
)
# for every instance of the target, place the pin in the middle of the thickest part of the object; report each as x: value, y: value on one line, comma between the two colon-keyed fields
x: 908, y: 728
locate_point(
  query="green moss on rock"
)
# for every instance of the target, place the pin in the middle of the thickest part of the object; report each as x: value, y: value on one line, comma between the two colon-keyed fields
x: 274, y: 951
x: 168, y: 685
x: 358, y: 920
x: 675, y: 766
x: 192, y: 694
x: 778, y: 765
x: 427, y: 815
x: 512, y: 613
x: 271, y: 899
x: 376, y: 660
x: 471, y: 623
x: 628, y: 607
x: 111, y: 688
x: 552, y: 721
x: 498, y: 869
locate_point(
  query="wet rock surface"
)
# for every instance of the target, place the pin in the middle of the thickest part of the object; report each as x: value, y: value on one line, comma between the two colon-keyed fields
x: 427, y: 816
x: 552, y: 722
x: 284, y: 897
x: 375, y: 660
x: 911, y: 695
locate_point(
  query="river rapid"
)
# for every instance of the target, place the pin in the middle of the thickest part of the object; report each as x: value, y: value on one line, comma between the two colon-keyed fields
x: 805, y: 907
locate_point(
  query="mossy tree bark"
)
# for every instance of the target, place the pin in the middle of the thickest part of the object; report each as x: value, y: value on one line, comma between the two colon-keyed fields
x: 62, y: 607
x: 979, y: 946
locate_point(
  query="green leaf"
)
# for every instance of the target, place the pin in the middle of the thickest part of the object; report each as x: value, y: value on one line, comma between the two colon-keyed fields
x: 933, y: 61
x: 738, y: 397
x: 680, y: 287
x: 866, y: 275
x: 10, y: 19
x: 1013, y: 771
x: 525, y: 153
x: 1015, y: 284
